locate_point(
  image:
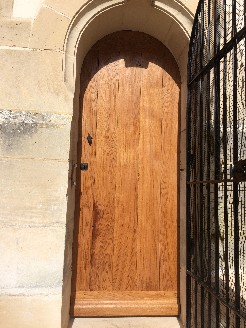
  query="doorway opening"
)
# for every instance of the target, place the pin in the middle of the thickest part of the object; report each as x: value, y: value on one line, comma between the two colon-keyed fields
x: 125, y: 251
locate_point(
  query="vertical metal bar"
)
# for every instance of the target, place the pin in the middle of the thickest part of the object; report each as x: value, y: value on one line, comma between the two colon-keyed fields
x: 208, y: 189
x: 226, y: 257
x: 197, y: 45
x: 188, y: 277
x: 201, y: 168
x: 191, y: 119
x: 195, y: 267
x: 196, y: 305
x: 208, y: 175
x: 216, y: 155
x: 235, y: 159
x: 188, y: 200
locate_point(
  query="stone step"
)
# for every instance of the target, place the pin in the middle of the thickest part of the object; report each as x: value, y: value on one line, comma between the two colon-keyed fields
x: 126, y: 322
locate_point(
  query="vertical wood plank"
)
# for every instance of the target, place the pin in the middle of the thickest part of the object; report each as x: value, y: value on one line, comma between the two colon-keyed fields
x: 169, y: 182
x: 104, y: 176
x: 89, y: 92
x: 125, y: 260
x: 149, y: 179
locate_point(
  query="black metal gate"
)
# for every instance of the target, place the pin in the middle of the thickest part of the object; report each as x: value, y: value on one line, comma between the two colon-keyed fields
x: 216, y: 167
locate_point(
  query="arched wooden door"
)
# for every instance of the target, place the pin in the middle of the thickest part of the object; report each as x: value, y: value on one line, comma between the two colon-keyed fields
x: 125, y: 241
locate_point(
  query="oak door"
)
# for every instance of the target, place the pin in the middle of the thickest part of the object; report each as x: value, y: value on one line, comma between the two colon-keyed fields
x: 125, y: 240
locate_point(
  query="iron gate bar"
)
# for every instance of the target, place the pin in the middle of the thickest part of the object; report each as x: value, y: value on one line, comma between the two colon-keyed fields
x: 213, y: 124
x: 197, y: 255
x: 209, y: 181
x: 201, y: 167
x: 235, y: 159
x: 224, y: 51
x: 226, y: 222
x: 208, y: 163
x: 220, y: 299
x: 216, y: 152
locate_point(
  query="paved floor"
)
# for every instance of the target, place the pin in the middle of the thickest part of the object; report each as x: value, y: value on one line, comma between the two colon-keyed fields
x: 133, y: 322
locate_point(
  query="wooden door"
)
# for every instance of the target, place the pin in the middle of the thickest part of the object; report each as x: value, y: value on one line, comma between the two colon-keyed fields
x: 125, y: 240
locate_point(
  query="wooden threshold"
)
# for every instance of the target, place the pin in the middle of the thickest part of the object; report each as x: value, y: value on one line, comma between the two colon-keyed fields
x: 139, y: 303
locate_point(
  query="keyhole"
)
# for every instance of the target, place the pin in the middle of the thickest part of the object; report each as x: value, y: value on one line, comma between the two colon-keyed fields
x: 89, y: 139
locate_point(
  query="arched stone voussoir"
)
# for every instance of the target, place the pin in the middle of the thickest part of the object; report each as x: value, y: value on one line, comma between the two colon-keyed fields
x: 178, y: 11
x: 57, y: 18
x: 49, y: 30
x: 65, y: 7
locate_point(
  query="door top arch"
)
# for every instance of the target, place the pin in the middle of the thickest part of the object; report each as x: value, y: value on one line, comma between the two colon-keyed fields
x: 114, y: 46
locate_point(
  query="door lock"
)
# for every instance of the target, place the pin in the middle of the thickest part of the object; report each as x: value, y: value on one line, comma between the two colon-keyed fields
x: 83, y: 166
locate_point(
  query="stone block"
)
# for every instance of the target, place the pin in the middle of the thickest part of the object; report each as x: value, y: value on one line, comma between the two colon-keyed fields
x: 154, y: 24
x: 6, y: 8
x: 68, y: 8
x: 136, y: 322
x: 134, y: 14
x: 8, y: 258
x: 191, y: 5
x: 26, y: 8
x: 182, y: 296
x: 30, y: 311
x: 183, y: 150
x: 32, y: 259
x: 33, y: 81
x: 182, y: 63
x: 33, y: 192
x: 14, y: 33
x: 66, y: 293
x: 34, y: 135
x: 183, y: 105
x: 182, y: 208
x: 176, y: 33
x: 53, y: 35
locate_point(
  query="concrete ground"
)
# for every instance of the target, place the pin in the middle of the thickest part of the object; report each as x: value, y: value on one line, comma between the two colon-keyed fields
x: 126, y: 322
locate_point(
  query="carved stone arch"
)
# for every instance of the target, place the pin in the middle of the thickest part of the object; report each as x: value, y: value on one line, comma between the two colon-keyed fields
x: 169, y: 21
x: 72, y: 28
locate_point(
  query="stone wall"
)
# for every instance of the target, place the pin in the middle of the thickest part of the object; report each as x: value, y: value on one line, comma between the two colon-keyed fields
x: 42, y: 45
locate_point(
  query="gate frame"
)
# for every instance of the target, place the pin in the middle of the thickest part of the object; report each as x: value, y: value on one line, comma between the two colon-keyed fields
x: 196, y: 75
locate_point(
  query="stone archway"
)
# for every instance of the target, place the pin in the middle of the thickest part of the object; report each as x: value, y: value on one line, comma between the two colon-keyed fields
x: 75, y: 28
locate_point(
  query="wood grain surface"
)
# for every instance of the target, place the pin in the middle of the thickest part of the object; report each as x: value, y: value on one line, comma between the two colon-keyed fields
x: 125, y: 238
x: 125, y: 304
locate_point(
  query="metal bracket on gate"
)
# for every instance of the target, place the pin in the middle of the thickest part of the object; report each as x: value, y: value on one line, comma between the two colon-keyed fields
x: 238, y: 171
